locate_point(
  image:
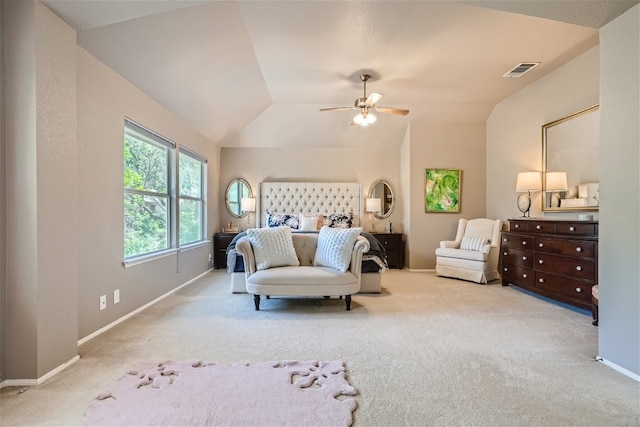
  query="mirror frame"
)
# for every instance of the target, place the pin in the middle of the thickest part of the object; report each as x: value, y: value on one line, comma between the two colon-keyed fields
x: 392, y: 203
x: 233, y: 182
x: 545, y: 128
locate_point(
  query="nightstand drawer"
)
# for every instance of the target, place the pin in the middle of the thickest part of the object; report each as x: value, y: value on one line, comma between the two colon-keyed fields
x: 393, y: 244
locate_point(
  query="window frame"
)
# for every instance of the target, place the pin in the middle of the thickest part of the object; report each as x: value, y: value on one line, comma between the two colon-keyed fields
x: 174, y: 151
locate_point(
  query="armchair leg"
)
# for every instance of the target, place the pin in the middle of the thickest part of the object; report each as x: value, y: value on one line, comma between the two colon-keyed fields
x: 256, y: 301
x: 347, y: 300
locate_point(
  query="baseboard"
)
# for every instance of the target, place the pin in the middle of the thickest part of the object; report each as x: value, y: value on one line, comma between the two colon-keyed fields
x: 620, y: 369
x: 138, y: 310
x: 38, y: 381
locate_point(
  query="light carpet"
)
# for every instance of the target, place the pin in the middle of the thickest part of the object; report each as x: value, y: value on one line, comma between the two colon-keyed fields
x: 287, y: 393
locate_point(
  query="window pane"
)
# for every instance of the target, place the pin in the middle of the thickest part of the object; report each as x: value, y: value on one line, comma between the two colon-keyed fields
x: 145, y: 165
x: 145, y: 224
x: 190, y: 221
x: 190, y: 176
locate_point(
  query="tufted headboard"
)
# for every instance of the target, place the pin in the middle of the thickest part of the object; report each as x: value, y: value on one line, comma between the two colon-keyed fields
x: 311, y: 198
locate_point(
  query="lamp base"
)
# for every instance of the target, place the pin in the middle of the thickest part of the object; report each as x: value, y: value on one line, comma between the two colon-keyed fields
x: 524, y: 204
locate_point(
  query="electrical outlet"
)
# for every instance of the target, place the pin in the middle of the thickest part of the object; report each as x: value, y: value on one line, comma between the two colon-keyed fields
x: 210, y: 258
x: 103, y: 302
x: 116, y: 296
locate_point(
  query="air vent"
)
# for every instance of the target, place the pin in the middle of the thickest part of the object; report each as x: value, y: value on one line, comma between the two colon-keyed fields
x: 520, y: 69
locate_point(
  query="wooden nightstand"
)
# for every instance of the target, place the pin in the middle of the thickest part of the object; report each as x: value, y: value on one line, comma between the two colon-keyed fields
x: 393, y: 244
x: 220, y: 243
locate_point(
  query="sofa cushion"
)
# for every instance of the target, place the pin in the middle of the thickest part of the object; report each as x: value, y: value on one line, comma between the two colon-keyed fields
x: 272, y: 247
x: 302, y: 276
x: 462, y: 254
x: 335, y: 246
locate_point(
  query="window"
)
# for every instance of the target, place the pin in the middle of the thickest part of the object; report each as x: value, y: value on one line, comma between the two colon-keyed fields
x: 150, y: 220
x: 191, y: 173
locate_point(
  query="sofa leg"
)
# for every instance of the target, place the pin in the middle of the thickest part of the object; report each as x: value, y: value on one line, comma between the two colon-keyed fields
x: 347, y: 300
x: 256, y: 301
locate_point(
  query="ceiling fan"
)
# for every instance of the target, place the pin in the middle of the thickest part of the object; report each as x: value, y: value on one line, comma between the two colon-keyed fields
x: 366, y: 104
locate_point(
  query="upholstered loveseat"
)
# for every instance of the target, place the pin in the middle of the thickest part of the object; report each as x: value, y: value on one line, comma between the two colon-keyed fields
x: 321, y: 264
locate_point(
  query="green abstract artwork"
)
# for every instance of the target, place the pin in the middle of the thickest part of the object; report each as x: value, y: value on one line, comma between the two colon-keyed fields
x: 442, y: 190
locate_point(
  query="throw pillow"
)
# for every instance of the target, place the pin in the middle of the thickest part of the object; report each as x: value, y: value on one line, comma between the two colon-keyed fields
x: 335, y: 246
x: 339, y: 220
x: 471, y: 243
x: 308, y: 223
x: 272, y: 247
x: 279, y: 219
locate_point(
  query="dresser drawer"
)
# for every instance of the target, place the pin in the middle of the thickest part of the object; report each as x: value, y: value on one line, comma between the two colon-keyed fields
x: 583, y: 269
x: 519, y: 225
x: 578, y: 229
x: 518, y: 241
x: 517, y: 257
x: 550, y: 283
x: 542, y: 227
x: 574, y: 248
x: 390, y: 241
x: 517, y: 275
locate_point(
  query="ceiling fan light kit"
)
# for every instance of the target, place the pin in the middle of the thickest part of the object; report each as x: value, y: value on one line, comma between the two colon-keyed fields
x: 366, y: 104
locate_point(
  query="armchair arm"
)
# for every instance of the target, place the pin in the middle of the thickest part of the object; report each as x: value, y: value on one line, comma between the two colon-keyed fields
x: 452, y: 244
x: 243, y: 246
x: 361, y: 246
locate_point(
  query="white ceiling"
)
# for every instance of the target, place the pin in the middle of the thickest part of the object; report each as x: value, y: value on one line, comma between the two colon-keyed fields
x: 255, y: 73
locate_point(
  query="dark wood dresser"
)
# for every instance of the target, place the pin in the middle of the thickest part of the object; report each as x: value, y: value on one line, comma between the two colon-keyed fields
x: 220, y: 243
x: 393, y: 244
x: 554, y: 258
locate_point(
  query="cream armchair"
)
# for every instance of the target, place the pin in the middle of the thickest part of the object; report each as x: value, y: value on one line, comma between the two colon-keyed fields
x: 474, y: 253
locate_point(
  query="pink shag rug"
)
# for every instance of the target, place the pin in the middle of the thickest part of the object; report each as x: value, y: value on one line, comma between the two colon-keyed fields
x: 197, y: 393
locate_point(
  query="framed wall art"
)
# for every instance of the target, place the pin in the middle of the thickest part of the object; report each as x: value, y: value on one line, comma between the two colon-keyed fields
x: 442, y: 190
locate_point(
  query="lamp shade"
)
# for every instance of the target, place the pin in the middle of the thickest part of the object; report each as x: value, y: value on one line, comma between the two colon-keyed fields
x: 374, y: 205
x: 248, y: 204
x: 528, y: 181
x: 556, y: 181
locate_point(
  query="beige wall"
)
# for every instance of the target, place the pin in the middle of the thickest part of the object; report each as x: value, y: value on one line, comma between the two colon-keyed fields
x: 105, y: 98
x: 310, y: 164
x: 426, y: 145
x: 619, y: 254
x: 443, y: 145
x: 514, y: 129
x: 64, y: 219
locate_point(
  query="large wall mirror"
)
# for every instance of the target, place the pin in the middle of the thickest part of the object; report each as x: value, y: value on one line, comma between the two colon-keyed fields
x: 236, y: 191
x: 570, y: 153
x: 382, y: 190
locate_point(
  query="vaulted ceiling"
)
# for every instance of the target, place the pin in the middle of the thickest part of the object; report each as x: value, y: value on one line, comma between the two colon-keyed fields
x: 255, y: 73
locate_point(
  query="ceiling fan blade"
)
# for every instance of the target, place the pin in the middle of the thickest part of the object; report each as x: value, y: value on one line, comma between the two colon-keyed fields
x: 396, y: 111
x: 373, y: 98
x: 338, y: 109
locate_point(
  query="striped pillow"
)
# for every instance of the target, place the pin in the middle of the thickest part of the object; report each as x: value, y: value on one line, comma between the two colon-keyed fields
x: 471, y: 243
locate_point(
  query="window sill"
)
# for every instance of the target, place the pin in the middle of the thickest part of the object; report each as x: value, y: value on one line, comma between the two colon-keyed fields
x: 195, y: 245
x: 132, y: 262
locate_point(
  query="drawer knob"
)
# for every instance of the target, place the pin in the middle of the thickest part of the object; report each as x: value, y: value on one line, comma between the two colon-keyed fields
x: 541, y: 261
x: 572, y: 228
x: 578, y: 290
x: 524, y: 258
x: 578, y: 249
x: 505, y: 253
x: 541, y: 245
x: 524, y: 243
x: 504, y: 240
x: 579, y: 268
x: 517, y: 225
x: 538, y: 227
x: 525, y: 275
x: 541, y: 280
x: 506, y: 269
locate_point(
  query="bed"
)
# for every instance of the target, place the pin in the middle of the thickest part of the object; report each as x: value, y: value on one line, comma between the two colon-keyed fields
x: 333, y: 203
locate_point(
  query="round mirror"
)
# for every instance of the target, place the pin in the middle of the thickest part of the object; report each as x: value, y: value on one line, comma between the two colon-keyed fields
x: 236, y: 190
x: 382, y: 190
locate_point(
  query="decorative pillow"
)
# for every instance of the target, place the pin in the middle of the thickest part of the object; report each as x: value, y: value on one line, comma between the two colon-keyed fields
x: 471, y: 243
x: 272, y: 247
x: 339, y: 220
x: 278, y: 220
x: 308, y: 223
x: 335, y: 246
